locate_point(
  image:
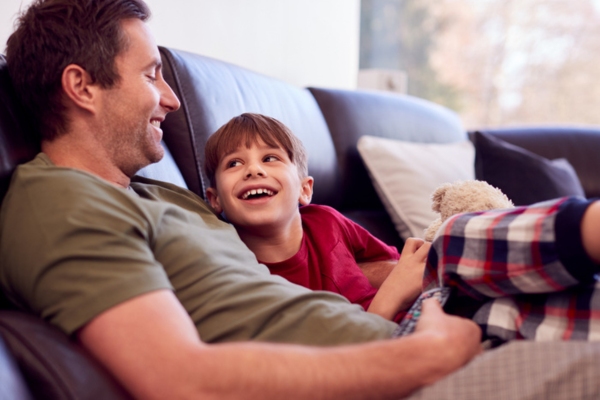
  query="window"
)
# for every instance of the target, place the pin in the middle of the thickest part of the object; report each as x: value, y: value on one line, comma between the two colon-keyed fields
x: 495, y: 62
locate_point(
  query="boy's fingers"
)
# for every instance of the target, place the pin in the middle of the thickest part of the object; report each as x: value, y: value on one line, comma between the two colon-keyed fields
x: 412, y: 245
x: 424, y: 249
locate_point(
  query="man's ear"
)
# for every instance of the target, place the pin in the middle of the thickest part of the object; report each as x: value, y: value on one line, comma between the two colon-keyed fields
x: 78, y: 87
x: 306, y: 190
x: 213, y: 200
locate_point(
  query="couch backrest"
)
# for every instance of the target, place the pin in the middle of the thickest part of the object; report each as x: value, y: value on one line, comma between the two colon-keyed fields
x: 351, y: 114
x: 212, y: 92
x: 18, y: 141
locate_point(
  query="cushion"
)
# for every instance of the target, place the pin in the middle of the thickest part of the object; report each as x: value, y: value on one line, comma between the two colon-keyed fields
x: 405, y: 174
x: 525, y: 177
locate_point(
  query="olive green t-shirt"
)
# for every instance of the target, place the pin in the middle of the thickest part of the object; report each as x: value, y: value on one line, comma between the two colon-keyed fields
x: 73, y: 245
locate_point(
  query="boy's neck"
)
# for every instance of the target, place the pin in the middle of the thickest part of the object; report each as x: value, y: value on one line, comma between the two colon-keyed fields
x: 271, y: 245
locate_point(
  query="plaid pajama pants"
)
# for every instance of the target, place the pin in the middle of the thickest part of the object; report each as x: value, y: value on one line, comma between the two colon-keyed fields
x: 524, y: 268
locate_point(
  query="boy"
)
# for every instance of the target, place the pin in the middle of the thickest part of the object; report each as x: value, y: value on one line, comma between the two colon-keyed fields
x: 258, y: 176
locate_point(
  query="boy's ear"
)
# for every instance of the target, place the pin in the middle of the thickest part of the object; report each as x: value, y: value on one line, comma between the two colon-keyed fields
x: 213, y: 200
x: 306, y: 190
x: 78, y: 87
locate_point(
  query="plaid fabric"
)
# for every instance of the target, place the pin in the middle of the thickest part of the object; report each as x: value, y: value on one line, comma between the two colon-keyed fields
x: 529, y: 285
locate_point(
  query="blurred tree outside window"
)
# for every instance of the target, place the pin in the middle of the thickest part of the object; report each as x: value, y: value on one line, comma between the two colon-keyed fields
x: 495, y: 62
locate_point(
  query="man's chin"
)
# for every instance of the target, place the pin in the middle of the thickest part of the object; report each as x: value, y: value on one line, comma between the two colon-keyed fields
x: 152, y: 158
x: 158, y: 154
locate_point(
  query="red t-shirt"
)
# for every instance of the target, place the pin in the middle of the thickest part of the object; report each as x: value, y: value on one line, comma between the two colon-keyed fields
x: 332, y: 246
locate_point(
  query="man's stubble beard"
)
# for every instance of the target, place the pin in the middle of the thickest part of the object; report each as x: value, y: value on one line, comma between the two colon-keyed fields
x: 132, y: 147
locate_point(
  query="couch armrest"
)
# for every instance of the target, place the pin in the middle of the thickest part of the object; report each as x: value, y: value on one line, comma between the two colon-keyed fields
x: 12, y: 384
x: 52, y: 365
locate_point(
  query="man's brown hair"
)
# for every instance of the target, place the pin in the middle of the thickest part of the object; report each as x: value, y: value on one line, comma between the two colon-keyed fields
x: 52, y: 34
x: 247, y: 129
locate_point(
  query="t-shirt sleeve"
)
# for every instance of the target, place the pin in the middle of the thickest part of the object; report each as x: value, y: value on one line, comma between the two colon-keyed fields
x: 365, y: 246
x: 92, y: 249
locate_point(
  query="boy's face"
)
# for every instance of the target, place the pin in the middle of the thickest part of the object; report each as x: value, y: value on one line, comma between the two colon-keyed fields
x: 259, y: 187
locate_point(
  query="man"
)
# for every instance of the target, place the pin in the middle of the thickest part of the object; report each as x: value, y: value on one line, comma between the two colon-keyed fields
x: 142, y: 273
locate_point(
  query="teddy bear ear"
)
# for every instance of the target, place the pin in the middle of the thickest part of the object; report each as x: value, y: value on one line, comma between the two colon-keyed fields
x: 438, y: 196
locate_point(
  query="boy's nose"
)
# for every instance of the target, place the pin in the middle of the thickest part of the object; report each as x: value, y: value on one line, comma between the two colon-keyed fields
x: 255, y: 170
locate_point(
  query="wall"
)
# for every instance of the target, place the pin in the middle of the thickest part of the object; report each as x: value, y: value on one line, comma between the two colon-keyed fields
x: 303, y: 42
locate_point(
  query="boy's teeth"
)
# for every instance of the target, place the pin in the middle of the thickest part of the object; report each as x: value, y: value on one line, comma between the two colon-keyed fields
x: 256, y: 191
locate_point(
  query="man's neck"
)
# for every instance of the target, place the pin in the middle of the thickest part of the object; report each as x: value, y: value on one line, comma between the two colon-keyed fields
x: 64, y: 152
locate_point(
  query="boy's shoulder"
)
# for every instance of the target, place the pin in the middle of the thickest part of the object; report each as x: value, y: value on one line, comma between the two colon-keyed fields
x: 321, y: 213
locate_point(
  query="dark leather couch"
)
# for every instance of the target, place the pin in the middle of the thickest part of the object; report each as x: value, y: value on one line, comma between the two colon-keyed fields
x: 38, y: 361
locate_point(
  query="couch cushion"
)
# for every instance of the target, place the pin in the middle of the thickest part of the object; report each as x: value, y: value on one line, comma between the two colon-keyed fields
x: 578, y: 144
x: 524, y: 177
x: 212, y: 92
x: 405, y: 174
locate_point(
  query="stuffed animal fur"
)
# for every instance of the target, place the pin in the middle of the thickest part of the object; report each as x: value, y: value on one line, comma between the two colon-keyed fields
x: 464, y: 196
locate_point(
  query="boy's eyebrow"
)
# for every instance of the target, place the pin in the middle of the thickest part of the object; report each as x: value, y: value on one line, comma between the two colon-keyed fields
x: 230, y: 152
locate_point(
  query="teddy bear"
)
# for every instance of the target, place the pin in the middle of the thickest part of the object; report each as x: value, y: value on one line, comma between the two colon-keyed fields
x: 464, y: 196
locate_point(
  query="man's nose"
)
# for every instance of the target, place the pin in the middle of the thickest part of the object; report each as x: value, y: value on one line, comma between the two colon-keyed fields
x: 168, y: 98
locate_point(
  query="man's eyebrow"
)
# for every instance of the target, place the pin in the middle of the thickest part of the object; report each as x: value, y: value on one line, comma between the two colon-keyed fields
x: 156, y: 63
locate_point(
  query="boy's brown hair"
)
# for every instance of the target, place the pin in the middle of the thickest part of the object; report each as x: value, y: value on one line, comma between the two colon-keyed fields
x: 52, y: 34
x: 246, y: 129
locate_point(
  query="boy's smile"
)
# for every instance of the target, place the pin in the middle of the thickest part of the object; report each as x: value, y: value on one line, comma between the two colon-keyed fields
x: 254, y: 193
x: 259, y: 187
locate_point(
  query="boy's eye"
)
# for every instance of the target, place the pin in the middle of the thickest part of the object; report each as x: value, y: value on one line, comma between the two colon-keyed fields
x: 270, y: 158
x: 233, y: 163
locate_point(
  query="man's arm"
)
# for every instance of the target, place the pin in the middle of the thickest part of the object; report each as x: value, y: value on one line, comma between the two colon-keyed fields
x: 150, y: 344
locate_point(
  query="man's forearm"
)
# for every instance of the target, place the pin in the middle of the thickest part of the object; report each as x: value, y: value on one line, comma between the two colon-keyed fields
x: 151, y: 346
x: 380, y: 370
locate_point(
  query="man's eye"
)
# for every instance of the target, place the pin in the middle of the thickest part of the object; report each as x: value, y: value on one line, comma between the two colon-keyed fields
x: 233, y: 163
x: 151, y: 78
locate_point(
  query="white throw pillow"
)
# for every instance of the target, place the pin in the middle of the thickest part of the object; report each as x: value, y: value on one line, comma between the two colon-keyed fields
x: 405, y: 174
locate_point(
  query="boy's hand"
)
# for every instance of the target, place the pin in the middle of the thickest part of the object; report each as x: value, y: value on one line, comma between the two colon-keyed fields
x: 411, y: 267
x: 403, y: 284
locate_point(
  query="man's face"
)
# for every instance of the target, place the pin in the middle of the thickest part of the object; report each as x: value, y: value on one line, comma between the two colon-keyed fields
x: 259, y: 188
x: 134, y: 108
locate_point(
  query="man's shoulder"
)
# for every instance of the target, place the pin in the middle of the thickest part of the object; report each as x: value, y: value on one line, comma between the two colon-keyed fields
x: 153, y: 189
x: 41, y: 177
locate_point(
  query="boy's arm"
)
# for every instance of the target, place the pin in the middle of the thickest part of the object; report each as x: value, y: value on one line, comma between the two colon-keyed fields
x: 590, y: 231
x: 404, y: 283
x: 151, y: 346
x: 377, y: 271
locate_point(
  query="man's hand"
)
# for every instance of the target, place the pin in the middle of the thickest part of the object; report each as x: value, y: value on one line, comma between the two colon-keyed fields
x: 454, y: 340
x: 403, y: 284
